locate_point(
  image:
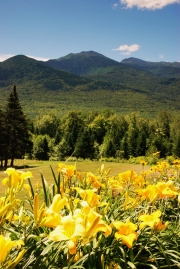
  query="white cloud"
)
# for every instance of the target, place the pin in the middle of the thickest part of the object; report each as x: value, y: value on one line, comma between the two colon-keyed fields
x: 126, y: 50
x: 161, y: 56
x: 114, y: 6
x: 4, y: 57
x: 148, y: 4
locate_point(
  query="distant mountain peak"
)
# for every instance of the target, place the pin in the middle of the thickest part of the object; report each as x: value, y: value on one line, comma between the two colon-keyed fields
x: 133, y: 60
x: 79, y: 54
x: 82, y: 63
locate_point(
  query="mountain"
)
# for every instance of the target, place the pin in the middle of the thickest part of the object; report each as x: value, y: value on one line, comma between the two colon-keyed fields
x: 94, y: 83
x: 83, y: 63
x: 21, y: 69
x: 163, y: 69
x: 88, y: 63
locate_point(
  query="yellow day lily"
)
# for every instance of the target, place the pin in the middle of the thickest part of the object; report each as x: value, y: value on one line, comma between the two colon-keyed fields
x: 49, y: 217
x: 28, y: 190
x: 90, y: 178
x: 58, y: 203
x: 93, y: 222
x: 5, y: 247
x: 115, y: 186
x: 160, y: 227
x: 126, y: 232
x: 167, y: 189
x: 6, y: 207
x: 130, y: 202
x: 130, y: 177
x: 151, y: 220
x: 67, y: 170
x: 69, y: 230
x: 15, y: 178
x: 149, y: 193
x: 90, y: 196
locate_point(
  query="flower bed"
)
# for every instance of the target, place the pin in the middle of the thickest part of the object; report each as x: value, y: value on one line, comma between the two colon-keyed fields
x: 92, y: 221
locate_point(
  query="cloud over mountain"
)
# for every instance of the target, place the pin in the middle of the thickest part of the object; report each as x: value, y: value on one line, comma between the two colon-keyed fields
x: 126, y: 50
x: 148, y: 4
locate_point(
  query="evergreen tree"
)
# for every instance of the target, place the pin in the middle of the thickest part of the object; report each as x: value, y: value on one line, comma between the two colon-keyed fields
x: 17, y: 129
x: 108, y: 148
x: 132, y: 136
x: 164, y: 123
x: 117, y: 128
x: 3, y: 137
x: 176, y: 146
x: 41, y: 148
x: 99, y: 128
x: 143, y: 136
x: 85, y: 145
x: 124, y: 147
x: 72, y: 127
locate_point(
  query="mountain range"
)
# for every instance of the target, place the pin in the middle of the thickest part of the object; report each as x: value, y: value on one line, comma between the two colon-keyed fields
x: 90, y: 81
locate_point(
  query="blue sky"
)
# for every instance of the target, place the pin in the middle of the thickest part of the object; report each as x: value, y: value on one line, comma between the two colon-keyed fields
x: 118, y: 29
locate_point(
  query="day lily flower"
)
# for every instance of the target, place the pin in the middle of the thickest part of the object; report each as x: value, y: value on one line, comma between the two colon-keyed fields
x: 152, y: 220
x: 46, y: 216
x: 94, y: 180
x: 93, y: 222
x: 167, y: 189
x: 58, y: 203
x: 28, y: 190
x: 126, y: 232
x: 69, y: 231
x: 127, y: 176
x: 160, y: 227
x: 90, y: 196
x: 130, y: 177
x: 149, y: 193
x: 130, y: 202
x: 6, y: 246
x: 67, y: 170
x: 6, y: 207
x: 16, y: 178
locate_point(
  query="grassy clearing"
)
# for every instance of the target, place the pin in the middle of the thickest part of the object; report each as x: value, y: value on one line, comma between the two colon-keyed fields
x: 38, y: 167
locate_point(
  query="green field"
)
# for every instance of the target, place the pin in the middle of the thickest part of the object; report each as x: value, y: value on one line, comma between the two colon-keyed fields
x: 36, y: 167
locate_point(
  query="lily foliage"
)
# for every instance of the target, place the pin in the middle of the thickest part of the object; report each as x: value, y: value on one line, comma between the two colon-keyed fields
x: 92, y: 221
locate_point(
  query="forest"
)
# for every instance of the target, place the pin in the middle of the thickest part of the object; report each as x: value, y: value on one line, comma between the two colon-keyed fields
x: 85, y: 220
x: 94, y: 135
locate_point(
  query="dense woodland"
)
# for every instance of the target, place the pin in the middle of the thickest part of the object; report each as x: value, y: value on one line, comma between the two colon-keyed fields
x: 94, y: 135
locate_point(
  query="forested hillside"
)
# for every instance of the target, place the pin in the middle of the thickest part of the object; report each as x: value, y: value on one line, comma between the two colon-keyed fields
x: 93, y: 135
x: 101, y: 83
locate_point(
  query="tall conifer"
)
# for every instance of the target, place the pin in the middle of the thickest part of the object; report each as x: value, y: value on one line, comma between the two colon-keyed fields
x: 17, y: 127
x: 3, y: 137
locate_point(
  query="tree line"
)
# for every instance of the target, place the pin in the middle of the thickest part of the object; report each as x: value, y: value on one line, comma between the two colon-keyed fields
x: 94, y: 135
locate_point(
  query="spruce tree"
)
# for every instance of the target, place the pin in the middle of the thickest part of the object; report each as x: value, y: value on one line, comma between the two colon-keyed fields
x: 17, y: 128
x: 85, y: 145
x: 176, y: 146
x: 72, y: 127
x: 3, y: 137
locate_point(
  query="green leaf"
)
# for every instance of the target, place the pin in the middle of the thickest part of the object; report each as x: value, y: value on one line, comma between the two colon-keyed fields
x: 132, y: 265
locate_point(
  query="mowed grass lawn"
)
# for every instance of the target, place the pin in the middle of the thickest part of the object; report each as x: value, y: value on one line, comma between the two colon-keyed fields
x: 38, y: 167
